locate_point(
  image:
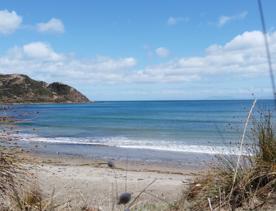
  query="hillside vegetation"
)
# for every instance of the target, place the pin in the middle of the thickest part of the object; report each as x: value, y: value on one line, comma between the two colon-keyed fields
x: 16, y: 88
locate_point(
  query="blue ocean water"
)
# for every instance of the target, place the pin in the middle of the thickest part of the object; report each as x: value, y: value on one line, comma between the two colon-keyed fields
x: 176, y: 126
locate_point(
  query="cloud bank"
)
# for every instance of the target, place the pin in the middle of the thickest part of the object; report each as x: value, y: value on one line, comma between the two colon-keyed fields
x: 243, y: 56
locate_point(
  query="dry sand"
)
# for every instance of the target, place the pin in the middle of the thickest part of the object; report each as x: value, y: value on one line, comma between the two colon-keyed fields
x: 80, y: 181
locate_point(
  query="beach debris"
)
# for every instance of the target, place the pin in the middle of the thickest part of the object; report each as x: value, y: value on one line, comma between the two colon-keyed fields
x: 124, y: 198
x: 127, y: 209
x: 110, y: 164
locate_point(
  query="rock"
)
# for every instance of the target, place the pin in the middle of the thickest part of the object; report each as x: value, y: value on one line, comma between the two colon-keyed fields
x: 124, y: 198
x: 110, y: 164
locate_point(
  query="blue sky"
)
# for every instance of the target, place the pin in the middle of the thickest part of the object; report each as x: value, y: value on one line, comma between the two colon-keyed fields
x: 140, y: 50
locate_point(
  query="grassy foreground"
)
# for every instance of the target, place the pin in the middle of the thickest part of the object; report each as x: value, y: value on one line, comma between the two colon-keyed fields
x: 247, y: 185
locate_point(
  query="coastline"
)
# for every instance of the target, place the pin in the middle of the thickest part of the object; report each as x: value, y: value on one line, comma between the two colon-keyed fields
x: 47, y: 103
x: 119, y: 164
x: 168, y: 143
x: 170, y: 160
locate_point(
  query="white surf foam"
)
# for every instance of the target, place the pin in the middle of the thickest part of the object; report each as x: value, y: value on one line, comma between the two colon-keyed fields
x: 124, y: 142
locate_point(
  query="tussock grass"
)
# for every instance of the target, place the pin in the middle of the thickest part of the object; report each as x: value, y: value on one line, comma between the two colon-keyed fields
x: 249, y: 186
x: 12, y: 173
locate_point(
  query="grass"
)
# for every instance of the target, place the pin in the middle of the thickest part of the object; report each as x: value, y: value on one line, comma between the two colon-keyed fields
x: 248, y: 186
x: 11, y: 170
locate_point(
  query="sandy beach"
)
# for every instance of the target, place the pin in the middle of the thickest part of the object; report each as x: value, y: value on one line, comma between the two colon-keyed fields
x: 77, y: 182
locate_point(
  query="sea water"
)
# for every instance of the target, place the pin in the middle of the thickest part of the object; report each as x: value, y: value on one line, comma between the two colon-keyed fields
x: 206, y: 127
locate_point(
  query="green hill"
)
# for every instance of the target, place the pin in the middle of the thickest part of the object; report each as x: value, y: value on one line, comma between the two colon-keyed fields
x: 17, y: 88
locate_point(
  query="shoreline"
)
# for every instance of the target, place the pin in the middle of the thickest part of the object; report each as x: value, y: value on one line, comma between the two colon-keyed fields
x: 48, y: 103
x: 170, y: 160
x: 123, y: 164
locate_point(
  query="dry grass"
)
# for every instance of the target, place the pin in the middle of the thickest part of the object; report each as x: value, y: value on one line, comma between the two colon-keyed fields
x: 11, y: 171
x: 255, y: 182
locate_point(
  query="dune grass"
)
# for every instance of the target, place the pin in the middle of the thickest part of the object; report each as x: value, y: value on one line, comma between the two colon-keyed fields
x: 254, y: 179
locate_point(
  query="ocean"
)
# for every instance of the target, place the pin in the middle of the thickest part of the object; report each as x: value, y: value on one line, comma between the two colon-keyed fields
x: 154, y: 130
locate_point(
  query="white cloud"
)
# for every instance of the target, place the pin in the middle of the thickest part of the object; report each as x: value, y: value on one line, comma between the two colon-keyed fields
x: 175, y: 20
x: 41, y: 51
x: 35, y: 52
x: 162, y: 52
x: 243, y: 57
x: 226, y: 19
x: 53, y: 26
x: 39, y: 60
x: 9, y: 21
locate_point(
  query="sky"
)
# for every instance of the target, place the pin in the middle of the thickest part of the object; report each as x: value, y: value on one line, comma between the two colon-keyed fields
x: 141, y: 49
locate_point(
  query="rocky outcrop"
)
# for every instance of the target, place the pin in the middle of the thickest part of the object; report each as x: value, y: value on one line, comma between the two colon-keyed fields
x: 17, y: 88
